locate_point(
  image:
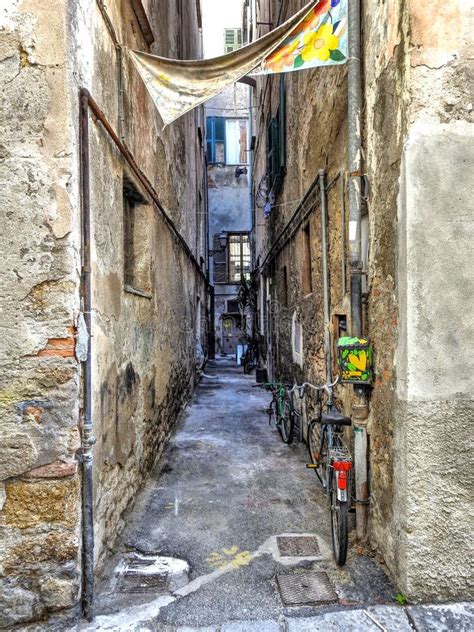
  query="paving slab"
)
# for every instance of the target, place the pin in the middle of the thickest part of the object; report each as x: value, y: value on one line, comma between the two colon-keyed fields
x: 390, y: 619
x: 251, y: 626
x: 457, y: 617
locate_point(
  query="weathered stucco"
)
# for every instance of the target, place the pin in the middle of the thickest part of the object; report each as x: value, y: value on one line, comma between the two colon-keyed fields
x: 417, y: 134
x: 143, y: 346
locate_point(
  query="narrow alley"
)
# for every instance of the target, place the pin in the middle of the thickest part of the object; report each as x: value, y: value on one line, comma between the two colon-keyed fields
x: 227, y: 505
x: 200, y: 196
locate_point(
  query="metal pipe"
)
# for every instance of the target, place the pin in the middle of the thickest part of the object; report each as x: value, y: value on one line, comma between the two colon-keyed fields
x: 86, y: 103
x: 126, y: 153
x: 343, y: 236
x: 355, y: 165
x: 355, y: 253
x: 326, y: 297
x: 87, y: 423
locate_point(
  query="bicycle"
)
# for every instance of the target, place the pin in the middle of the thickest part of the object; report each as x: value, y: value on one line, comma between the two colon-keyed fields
x: 282, y: 407
x: 332, y: 462
x: 249, y: 358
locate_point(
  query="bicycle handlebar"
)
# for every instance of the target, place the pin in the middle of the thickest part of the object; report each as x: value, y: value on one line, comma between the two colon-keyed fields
x: 316, y: 387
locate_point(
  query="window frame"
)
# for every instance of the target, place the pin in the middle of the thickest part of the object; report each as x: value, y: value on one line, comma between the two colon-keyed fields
x: 213, y: 136
x: 235, y: 45
x: 241, y: 235
x: 131, y: 200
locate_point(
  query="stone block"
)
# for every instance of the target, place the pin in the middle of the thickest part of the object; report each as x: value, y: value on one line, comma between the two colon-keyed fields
x: 54, y: 547
x: 18, y: 453
x: 58, y: 593
x: 443, y: 618
x: 17, y: 605
x: 29, y: 504
x: 58, y: 469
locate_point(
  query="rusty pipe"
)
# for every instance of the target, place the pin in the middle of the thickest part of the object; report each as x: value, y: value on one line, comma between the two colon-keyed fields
x: 126, y: 153
x: 87, y: 421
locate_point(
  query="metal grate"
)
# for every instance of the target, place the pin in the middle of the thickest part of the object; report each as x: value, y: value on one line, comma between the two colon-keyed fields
x: 137, y: 578
x: 306, y: 589
x: 298, y: 545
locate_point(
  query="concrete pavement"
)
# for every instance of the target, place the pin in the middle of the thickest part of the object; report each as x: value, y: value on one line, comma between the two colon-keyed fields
x: 203, y: 548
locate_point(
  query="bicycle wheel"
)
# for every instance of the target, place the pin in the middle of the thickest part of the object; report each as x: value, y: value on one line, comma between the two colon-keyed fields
x: 287, y: 420
x: 318, y: 450
x: 339, y: 524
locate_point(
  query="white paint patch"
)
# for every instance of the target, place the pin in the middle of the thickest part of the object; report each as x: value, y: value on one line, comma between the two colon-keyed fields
x: 129, y: 619
x: 352, y: 230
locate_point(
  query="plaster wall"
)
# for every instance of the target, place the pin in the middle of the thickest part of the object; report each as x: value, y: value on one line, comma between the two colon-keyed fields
x: 418, y: 159
x: 143, y: 346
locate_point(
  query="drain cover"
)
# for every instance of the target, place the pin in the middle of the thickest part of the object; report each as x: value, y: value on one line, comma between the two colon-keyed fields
x: 306, y: 589
x: 298, y: 545
x: 142, y: 575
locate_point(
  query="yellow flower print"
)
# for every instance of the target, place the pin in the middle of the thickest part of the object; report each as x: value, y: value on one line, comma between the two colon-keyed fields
x: 319, y: 44
x: 283, y: 56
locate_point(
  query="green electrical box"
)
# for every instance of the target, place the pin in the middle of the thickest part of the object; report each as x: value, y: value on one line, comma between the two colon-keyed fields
x: 354, y: 357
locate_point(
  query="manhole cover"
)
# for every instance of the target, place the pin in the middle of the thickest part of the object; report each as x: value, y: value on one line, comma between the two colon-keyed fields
x: 298, y: 545
x: 142, y: 575
x: 306, y: 589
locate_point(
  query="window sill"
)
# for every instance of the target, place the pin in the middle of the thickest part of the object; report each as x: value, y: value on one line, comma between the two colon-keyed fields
x: 133, y: 290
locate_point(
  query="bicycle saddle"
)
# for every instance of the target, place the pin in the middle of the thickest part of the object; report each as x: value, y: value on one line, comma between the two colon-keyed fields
x: 335, y: 418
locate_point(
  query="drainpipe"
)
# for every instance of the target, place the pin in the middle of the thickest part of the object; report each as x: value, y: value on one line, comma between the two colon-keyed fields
x: 326, y: 299
x: 87, y: 423
x: 360, y: 406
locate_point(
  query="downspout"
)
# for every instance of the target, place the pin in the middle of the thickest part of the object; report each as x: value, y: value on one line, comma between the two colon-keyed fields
x: 326, y: 299
x: 360, y: 405
x: 87, y: 422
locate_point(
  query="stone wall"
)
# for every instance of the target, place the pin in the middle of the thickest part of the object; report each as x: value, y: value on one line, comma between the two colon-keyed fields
x: 143, y: 342
x: 417, y: 150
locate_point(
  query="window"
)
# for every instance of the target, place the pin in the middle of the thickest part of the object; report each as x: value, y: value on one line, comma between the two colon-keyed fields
x: 307, y: 275
x: 233, y: 307
x: 137, y: 240
x: 276, y: 141
x: 239, y: 257
x: 232, y: 39
x: 226, y: 140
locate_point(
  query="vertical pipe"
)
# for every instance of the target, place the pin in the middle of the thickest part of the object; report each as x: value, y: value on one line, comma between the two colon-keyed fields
x: 343, y: 236
x: 355, y: 253
x: 326, y: 298
x: 87, y: 423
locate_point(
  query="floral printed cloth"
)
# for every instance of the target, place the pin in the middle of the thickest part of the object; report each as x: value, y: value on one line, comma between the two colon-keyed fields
x: 315, y: 36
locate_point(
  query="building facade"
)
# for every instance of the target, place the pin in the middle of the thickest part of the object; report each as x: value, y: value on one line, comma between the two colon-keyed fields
x: 105, y: 222
x: 228, y: 137
x: 417, y: 148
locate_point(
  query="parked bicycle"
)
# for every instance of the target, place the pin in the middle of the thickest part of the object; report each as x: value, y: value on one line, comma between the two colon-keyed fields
x: 250, y: 356
x: 332, y: 462
x: 281, y: 408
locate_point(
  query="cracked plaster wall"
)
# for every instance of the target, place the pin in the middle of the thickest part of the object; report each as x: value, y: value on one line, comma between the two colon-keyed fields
x: 143, y: 347
x: 417, y: 126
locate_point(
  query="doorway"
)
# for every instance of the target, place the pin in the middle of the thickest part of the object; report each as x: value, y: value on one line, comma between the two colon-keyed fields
x: 229, y: 336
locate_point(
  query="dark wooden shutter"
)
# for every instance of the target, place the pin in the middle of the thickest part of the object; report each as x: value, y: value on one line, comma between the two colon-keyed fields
x: 220, y: 261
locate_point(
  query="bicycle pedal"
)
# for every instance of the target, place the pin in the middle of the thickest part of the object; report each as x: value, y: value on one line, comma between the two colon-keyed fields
x: 311, y: 466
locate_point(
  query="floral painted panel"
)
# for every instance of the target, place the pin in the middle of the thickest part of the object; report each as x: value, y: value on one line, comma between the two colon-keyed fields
x: 319, y: 40
x: 355, y: 360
